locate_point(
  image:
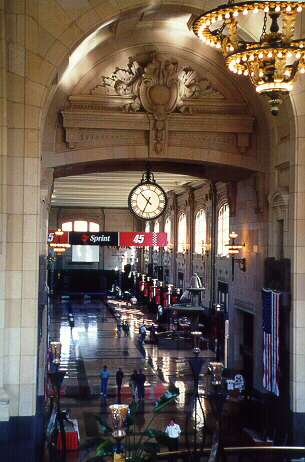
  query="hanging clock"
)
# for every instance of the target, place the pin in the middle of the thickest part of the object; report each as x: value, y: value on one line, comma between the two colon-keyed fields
x: 147, y: 200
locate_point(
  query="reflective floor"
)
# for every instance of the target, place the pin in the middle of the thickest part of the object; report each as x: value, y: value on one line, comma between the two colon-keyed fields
x: 94, y: 342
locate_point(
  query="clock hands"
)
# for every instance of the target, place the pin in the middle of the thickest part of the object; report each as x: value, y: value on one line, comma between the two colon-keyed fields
x: 148, y: 200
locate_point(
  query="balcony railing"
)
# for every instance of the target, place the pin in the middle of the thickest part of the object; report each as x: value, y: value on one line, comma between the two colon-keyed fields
x: 240, y: 454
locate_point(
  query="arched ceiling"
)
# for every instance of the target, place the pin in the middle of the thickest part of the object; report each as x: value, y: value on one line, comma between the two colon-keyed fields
x: 154, y: 27
x: 111, y: 189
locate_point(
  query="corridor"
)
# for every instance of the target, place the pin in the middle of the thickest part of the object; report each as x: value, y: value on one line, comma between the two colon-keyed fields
x: 93, y: 343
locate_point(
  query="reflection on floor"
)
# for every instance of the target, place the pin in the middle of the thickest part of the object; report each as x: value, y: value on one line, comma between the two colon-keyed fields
x: 94, y: 342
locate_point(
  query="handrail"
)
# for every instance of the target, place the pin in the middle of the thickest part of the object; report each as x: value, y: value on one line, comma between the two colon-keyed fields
x: 276, y: 450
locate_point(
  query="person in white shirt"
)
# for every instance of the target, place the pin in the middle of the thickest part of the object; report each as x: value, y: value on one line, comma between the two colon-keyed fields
x: 173, y: 431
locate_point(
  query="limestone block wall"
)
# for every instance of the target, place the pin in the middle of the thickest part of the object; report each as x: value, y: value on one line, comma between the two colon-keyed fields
x: 20, y: 207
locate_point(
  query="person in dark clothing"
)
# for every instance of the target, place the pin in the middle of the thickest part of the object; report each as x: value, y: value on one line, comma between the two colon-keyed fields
x: 133, y: 383
x: 71, y: 321
x: 119, y: 380
x: 126, y: 328
x: 141, y: 379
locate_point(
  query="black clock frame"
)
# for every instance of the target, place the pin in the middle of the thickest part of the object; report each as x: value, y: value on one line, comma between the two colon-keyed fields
x: 147, y: 178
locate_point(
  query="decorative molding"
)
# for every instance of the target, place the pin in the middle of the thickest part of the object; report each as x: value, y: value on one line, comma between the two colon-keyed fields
x: 154, y: 92
x: 279, y: 199
x: 162, y: 73
x: 221, y: 141
x: 232, y: 195
x: 260, y: 192
x: 90, y: 137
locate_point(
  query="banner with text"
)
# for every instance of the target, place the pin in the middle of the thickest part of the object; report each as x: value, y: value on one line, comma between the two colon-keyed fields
x: 102, y: 238
x: 112, y: 239
x: 138, y: 239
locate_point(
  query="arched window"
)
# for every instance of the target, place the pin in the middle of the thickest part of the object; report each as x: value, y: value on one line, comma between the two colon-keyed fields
x: 83, y: 253
x: 182, y: 233
x: 81, y: 225
x: 156, y: 230
x: 223, y: 223
x: 168, y: 230
x: 147, y: 230
x: 200, y: 231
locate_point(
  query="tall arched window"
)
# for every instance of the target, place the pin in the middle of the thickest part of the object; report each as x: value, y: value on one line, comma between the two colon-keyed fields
x: 200, y: 231
x: 156, y: 230
x: 168, y: 230
x: 223, y: 223
x: 81, y: 225
x: 147, y: 230
x: 181, y: 233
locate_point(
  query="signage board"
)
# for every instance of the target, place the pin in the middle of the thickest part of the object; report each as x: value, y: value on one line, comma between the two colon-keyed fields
x: 139, y: 239
x: 53, y: 239
x: 111, y: 239
x: 102, y: 238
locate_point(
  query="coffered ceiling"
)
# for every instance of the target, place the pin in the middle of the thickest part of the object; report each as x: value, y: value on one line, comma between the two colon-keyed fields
x: 110, y: 189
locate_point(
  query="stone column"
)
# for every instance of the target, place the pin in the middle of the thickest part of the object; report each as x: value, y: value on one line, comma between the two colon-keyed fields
x: 23, y: 192
x: 4, y: 399
x: 297, y: 255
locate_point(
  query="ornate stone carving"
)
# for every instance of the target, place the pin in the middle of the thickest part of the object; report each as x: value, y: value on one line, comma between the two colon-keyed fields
x: 86, y: 137
x: 221, y: 141
x: 148, y: 95
x: 159, y: 86
x: 155, y: 70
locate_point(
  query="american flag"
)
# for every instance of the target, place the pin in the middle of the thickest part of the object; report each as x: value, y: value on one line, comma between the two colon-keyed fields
x: 271, y: 303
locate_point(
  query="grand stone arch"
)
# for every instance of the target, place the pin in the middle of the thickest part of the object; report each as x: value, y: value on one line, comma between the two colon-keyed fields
x: 32, y: 66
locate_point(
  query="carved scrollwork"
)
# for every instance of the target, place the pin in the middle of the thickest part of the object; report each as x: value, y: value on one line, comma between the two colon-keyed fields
x: 170, y: 85
x: 122, y: 82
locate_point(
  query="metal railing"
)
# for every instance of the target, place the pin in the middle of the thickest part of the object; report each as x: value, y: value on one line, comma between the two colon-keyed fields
x: 239, y: 454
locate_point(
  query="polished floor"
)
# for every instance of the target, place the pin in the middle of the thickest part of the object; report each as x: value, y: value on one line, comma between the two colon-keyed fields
x: 95, y: 341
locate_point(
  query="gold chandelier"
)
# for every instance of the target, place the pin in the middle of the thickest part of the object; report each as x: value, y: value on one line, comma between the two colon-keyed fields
x: 273, y: 61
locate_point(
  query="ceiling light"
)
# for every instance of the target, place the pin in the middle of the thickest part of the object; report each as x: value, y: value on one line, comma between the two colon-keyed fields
x: 271, y: 62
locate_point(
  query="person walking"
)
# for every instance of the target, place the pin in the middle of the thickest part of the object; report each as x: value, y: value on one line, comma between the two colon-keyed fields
x: 141, y: 379
x: 126, y: 328
x: 119, y: 327
x: 133, y: 383
x: 104, y: 381
x: 142, y: 334
x: 71, y: 321
x: 119, y: 380
x: 173, y: 432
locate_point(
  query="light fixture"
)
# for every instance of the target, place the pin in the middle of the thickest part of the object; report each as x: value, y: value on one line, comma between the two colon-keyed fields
x: 216, y: 370
x: 119, y: 413
x: 59, y: 250
x: 271, y: 62
x: 234, y: 249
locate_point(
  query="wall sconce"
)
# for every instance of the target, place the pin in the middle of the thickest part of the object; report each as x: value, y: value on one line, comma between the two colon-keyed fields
x: 206, y: 247
x: 234, y: 249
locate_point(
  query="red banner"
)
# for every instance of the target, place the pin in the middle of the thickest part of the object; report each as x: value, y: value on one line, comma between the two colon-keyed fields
x: 54, y: 239
x: 138, y: 239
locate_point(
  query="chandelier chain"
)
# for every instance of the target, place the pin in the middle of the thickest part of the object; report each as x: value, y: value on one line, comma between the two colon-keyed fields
x: 264, y: 27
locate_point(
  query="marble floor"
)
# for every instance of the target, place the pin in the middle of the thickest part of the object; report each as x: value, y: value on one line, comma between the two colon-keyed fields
x: 93, y: 342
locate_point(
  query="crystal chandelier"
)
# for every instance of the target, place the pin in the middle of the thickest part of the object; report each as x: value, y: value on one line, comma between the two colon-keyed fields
x: 273, y: 61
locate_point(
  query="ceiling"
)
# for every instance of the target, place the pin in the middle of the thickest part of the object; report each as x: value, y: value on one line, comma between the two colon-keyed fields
x: 110, y: 189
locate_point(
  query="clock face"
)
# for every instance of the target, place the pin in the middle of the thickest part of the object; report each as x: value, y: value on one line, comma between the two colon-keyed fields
x: 147, y: 201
